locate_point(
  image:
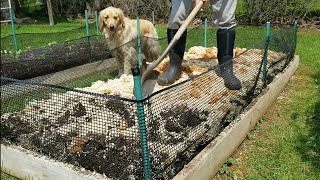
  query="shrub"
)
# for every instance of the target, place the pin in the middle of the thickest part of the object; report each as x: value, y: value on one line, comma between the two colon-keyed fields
x: 277, y: 11
x: 132, y: 8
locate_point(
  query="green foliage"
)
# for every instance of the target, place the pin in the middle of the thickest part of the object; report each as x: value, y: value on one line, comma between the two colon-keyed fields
x: 258, y: 12
x: 19, y: 52
x: 260, y: 120
x: 230, y: 161
x: 254, y: 12
x: 224, y: 170
x: 250, y: 136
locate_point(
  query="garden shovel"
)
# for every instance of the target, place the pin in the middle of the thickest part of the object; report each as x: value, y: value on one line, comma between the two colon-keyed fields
x: 149, y: 75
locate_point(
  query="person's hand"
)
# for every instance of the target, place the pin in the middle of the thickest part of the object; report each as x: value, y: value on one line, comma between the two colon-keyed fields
x: 204, y: 4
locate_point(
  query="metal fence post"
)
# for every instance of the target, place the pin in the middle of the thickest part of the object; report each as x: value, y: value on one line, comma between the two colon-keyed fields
x: 205, y: 31
x: 97, y: 24
x: 87, y: 32
x: 265, y: 56
x: 153, y: 18
x: 295, y: 30
x: 141, y: 122
x: 13, y: 28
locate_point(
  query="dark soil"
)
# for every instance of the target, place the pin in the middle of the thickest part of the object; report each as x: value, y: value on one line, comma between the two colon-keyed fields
x: 12, y: 128
x: 182, y: 117
x: 64, y: 118
x: 120, y: 161
x: 153, y: 127
x: 120, y: 108
x: 79, y: 110
x: 95, y: 156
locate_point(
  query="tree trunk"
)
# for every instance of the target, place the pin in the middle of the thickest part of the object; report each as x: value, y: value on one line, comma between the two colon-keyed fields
x: 97, y: 5
x: 90, y: 9
x: 49, y: 6
x: 16, y: 8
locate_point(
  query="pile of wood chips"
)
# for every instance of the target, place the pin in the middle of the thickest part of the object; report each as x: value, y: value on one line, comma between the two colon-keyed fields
x: 123, y: 86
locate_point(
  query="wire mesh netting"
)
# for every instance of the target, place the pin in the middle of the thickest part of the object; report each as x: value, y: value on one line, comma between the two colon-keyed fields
x: 39, y: 57
x: 54, y: 58
x: 90, y: 119
x: 29, y: 41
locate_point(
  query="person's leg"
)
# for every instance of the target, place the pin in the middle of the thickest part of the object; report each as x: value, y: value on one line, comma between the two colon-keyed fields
x: 179, y: 12
x: 225, y: 20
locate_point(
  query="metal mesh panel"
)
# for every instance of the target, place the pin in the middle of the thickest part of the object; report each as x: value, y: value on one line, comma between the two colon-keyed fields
x: 283, y: 45
x: 184, y: 118
x: 57, y: 57
x: 58, y: 116
x: 93, y: 131
x: 187, y: 116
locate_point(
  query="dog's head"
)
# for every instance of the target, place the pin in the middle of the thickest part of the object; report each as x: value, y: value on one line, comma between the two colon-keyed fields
x: 110, y: 20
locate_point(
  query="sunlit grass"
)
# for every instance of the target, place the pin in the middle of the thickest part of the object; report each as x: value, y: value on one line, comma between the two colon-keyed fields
x: 286, y: 144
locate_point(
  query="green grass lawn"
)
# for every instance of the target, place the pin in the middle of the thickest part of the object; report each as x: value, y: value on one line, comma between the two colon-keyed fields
x: 42, y: 35
x: 31, y: 36
x: 61, y: 26
x: 5, y: 176
x: 285, y: 145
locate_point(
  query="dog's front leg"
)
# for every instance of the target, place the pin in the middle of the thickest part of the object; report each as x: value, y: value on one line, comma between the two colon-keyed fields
x: 130, y: 59
x: 127, y: 65
x: 119, y: 61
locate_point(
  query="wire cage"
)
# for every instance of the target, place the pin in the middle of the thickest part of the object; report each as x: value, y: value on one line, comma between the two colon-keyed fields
x: 83, y: 122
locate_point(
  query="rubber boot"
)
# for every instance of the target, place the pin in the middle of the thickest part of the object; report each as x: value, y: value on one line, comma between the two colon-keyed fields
x: 176, y: 56
x: 225, y: 44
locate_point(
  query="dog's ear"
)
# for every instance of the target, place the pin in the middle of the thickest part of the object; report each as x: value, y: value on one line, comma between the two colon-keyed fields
x: 121, y: 17
x: 101, y: 22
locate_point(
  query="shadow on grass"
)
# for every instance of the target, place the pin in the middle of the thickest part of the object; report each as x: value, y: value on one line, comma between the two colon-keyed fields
x: 310, y: 143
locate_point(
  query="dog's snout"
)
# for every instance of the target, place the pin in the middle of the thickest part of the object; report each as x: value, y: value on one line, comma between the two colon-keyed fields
x: 111, y: 26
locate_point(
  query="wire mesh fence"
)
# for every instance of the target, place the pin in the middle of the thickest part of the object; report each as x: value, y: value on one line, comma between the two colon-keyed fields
x: 90, y: 120
x: 53, y: 58
x: 29, y: 41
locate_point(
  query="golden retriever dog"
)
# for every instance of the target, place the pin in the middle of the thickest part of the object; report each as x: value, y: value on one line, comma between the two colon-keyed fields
x: 121, y: 34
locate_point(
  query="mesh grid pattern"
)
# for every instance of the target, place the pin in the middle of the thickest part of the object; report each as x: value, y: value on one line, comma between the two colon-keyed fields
x: 53, y: 58
x: 189, y: 115
x: 100, y: 132
x: 84, y: 129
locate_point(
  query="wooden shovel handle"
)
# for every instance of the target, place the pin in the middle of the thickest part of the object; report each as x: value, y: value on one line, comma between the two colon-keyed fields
x: 174, y: 40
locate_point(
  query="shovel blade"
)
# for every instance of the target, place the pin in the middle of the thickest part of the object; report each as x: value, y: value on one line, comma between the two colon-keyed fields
x: 149, y: 84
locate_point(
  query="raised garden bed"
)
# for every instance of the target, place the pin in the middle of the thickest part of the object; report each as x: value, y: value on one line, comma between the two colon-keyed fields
x: 96, y: 129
